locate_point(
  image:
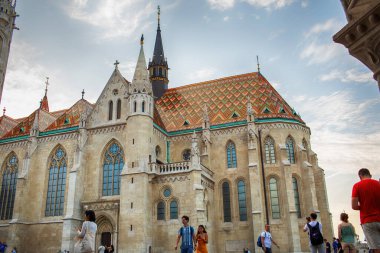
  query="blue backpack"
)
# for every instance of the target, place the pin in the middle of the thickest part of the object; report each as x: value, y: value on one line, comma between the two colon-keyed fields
x: 259, y: 244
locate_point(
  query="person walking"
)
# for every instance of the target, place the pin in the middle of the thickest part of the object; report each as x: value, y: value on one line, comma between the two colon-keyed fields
x: 327, y: 246
x: 101, y: 249
x: 202, y: 239
x: 189, y: 241
x: 365, y: 198
x: 335, y: 245
x: 346, y: 234
x: 314, y: 228
x: 266, y: 240
x: 86, y: 234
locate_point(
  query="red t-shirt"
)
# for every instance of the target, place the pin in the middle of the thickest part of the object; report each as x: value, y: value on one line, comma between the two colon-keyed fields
x: 368, y: 193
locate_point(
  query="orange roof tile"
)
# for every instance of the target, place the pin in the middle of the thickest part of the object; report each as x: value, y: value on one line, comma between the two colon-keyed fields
x: 226, y: 100
x: 71, y: 116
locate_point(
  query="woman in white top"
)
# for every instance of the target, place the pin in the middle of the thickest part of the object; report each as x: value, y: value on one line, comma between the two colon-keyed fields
x: 86, y: 234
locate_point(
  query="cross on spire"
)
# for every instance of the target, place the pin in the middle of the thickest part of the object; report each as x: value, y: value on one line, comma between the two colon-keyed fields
x: 4, y: 110
x: 47, y: 84
x: 116, y: 64
x: 82, y: 93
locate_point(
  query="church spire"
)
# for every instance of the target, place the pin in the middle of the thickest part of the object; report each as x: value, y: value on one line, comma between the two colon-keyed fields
x: 158, y: 67
x: 44, y: 102
x: 140, y: 81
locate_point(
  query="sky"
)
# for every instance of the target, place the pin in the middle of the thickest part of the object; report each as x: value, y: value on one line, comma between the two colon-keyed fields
x: 76, y: 42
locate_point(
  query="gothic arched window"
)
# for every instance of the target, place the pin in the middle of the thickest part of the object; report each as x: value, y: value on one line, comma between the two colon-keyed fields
x: 112, y: 166
x: 231, y: 155
x: 274, y: 200
x: 290, y: 149
x: 134, y: 106
x: 296, y: 197
x: 186, y: 155
x: 270, y: 156
x: 161, y: 210
x: 118, y: 109
x: 57, y: 183
x: 242, y: 201
x: 173, y: 210
x: 143, y: 106
x: 8, y: 186
x: 226, y: 202
x: 110, y: 110
x: 160, y: 71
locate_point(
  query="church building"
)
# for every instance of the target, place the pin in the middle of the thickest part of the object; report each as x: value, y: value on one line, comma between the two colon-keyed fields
x: 229, y: 153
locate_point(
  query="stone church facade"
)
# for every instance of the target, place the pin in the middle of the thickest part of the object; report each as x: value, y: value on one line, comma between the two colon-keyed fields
x: 229, y: 153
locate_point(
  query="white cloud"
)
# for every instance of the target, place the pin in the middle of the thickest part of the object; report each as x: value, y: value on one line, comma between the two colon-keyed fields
x: 330, y: 25
x: 317, y: 53
x: 114, y: 18
x: 226, y: 18
x: 270, y: 4
x: 304, y: 3
x: 348, y: 76
x: 202, y: 74
x: 221, y: 4
x: 345, y: 134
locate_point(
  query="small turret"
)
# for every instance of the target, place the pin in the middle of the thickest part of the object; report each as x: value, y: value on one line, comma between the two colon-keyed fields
x: 44, y: 102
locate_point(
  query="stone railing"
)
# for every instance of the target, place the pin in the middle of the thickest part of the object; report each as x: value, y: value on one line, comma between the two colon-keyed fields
x: 169, y: 168
x: 207, y: 170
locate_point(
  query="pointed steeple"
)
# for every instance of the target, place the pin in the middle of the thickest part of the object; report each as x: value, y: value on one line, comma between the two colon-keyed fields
x: 140, y: 82
x: 158, y: 67
x: 44, y: 102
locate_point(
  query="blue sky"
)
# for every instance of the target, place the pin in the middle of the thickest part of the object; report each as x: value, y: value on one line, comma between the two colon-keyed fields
x: 76, y: 42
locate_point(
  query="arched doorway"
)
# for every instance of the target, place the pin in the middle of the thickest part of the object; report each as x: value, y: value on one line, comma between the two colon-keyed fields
x: 105, y: 233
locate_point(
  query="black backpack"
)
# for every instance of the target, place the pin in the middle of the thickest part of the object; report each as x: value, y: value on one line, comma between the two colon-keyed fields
x: 315, y: 234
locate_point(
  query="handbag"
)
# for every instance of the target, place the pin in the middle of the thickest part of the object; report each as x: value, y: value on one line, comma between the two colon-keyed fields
x: 85, y: 244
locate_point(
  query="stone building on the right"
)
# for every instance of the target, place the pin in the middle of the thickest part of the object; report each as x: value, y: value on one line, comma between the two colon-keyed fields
x: 361, y: 36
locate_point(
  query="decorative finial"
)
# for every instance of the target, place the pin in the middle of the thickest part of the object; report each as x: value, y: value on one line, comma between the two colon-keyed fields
x: 82, y: 93
x: 142, y: 40
x: 4, y: 110
x: 258, y: 64
x: 158, y: 15
x: 116, y: 64
x: 46, y: 87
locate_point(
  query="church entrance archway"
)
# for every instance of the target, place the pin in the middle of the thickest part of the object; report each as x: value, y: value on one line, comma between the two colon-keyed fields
x: 106, y: 234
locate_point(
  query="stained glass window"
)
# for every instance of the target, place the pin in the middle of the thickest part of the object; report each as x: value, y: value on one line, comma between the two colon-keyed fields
x: 242, y: 201
x: 270, y: 156
x: 274, y: 200
x: 226, y: 202
x: 118, y: 109
x: 173, y: 210
x: 110, y: 110
x: 55, y: 198
x: 296, y: 197
x: 290, y: 149
x: 231, y: 155
x: 161, y: 210
x: 8, y: 187
x: 112, y: 166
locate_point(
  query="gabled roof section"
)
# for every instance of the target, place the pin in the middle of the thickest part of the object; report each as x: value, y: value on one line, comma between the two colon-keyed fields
x: 224, y: 97
x: 6, y: 124
x: 24, y: 126
x: 71, y: 117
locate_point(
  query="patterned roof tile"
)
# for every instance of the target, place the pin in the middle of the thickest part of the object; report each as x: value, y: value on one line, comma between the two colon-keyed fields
x: 223, y: 97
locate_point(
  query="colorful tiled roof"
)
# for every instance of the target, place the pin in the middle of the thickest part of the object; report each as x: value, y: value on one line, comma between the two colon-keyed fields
x: 6, y: 124
x: 24, y: 126
x: 71, y: 116
x: 226, y: 99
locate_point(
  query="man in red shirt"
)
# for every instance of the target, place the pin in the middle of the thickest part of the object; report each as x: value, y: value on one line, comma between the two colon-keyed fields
x: 366, y: 199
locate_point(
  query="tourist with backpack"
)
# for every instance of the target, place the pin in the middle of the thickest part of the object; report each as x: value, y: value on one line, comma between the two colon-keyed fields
x: 189, y: 240
x: 314, y: 228
x: 265, y: 240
